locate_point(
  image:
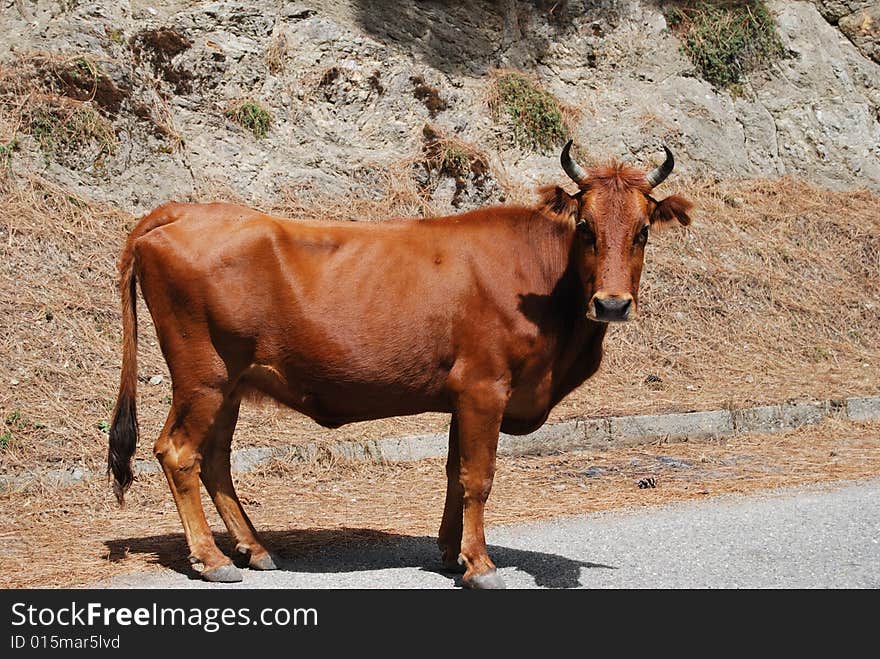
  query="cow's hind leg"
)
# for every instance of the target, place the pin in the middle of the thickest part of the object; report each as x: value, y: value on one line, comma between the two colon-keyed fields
x: 217, y: 477
x: 189, y: 428
x: 449, y: 536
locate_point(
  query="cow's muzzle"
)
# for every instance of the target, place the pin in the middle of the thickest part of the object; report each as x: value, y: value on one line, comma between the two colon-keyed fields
x: 611, y: 308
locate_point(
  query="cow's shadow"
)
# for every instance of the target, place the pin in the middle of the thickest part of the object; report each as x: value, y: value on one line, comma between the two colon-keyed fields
x: 354, y: 550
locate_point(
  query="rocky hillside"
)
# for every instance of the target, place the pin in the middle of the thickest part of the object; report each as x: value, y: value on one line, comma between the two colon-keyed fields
x: 137, y: 102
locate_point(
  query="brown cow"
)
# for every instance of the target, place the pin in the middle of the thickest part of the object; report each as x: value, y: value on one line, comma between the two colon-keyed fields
x: 493, y: 315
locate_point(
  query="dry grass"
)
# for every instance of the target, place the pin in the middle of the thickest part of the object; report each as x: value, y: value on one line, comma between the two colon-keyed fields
x: 63, y: 102
x: 67, y: 103
x: 77, y: 536
x: 58, y: 327
x: 276, y: 52
x: 771, y: 295
x: 449, y: 156
x: 400, y: 196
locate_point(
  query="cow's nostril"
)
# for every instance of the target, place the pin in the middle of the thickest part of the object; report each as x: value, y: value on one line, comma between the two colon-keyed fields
x: 612, y: 309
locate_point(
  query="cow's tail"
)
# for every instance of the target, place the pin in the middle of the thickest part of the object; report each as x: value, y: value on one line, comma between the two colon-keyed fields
x: 124, y: 427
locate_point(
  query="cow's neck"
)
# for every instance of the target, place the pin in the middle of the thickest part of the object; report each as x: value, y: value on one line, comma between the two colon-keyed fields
x: 578, y: 343
x: 579, y: 358
x: 570, y: 347
x: 575, y: 341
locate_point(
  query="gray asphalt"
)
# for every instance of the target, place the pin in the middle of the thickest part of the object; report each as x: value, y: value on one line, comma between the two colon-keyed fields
x: 818, y: 537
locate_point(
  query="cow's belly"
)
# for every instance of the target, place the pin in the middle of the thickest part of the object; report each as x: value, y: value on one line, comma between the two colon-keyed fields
x: 334, y: 394
x: 333, y: 403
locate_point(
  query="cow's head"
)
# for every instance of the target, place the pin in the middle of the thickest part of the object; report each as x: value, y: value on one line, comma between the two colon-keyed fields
x: 612, y: 214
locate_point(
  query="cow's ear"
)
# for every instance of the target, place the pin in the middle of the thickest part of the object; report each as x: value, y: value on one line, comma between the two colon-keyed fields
x: 556, y: 201
x: 672, y: 208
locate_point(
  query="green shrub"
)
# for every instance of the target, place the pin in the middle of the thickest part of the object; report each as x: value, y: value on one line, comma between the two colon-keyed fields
x: 252, y: 116
x: 67, y: 128
x: 726, y: 40
x: 455, y: 160
x: 81, y: 68
x: 533, y: 114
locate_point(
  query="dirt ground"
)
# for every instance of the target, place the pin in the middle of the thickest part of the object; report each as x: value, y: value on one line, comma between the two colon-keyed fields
x: 78, y: 536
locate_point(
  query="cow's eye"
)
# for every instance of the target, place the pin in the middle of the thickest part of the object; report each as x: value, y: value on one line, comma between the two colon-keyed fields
x: 585, y: 232
x: 642, y: 236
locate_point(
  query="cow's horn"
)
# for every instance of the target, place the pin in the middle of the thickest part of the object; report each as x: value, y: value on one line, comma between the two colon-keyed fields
x: 657, y: 176
x: 575, y: 172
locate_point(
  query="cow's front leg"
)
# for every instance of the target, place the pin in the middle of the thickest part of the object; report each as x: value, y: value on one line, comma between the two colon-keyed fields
x: 479, y: 412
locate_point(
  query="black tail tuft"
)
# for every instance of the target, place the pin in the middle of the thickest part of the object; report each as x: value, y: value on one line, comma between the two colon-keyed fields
x: 123, y: 441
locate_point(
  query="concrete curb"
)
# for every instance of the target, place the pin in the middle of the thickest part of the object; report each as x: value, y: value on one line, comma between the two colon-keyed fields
x: 574, y: 435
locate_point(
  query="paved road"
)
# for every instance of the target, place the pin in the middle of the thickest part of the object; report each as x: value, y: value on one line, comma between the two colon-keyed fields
x: 794, y: 538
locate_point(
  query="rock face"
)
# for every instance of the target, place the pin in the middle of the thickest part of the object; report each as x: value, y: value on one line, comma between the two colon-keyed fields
x: 351, y: 85
x: 824, y: 103
x: 863, y: 29
x: 834, y: 10
x: 859, y: 20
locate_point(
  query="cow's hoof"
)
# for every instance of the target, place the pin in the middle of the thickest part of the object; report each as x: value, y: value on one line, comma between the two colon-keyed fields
x: 266, y: 561
x: 486, y: 581
x: 222, y: 574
